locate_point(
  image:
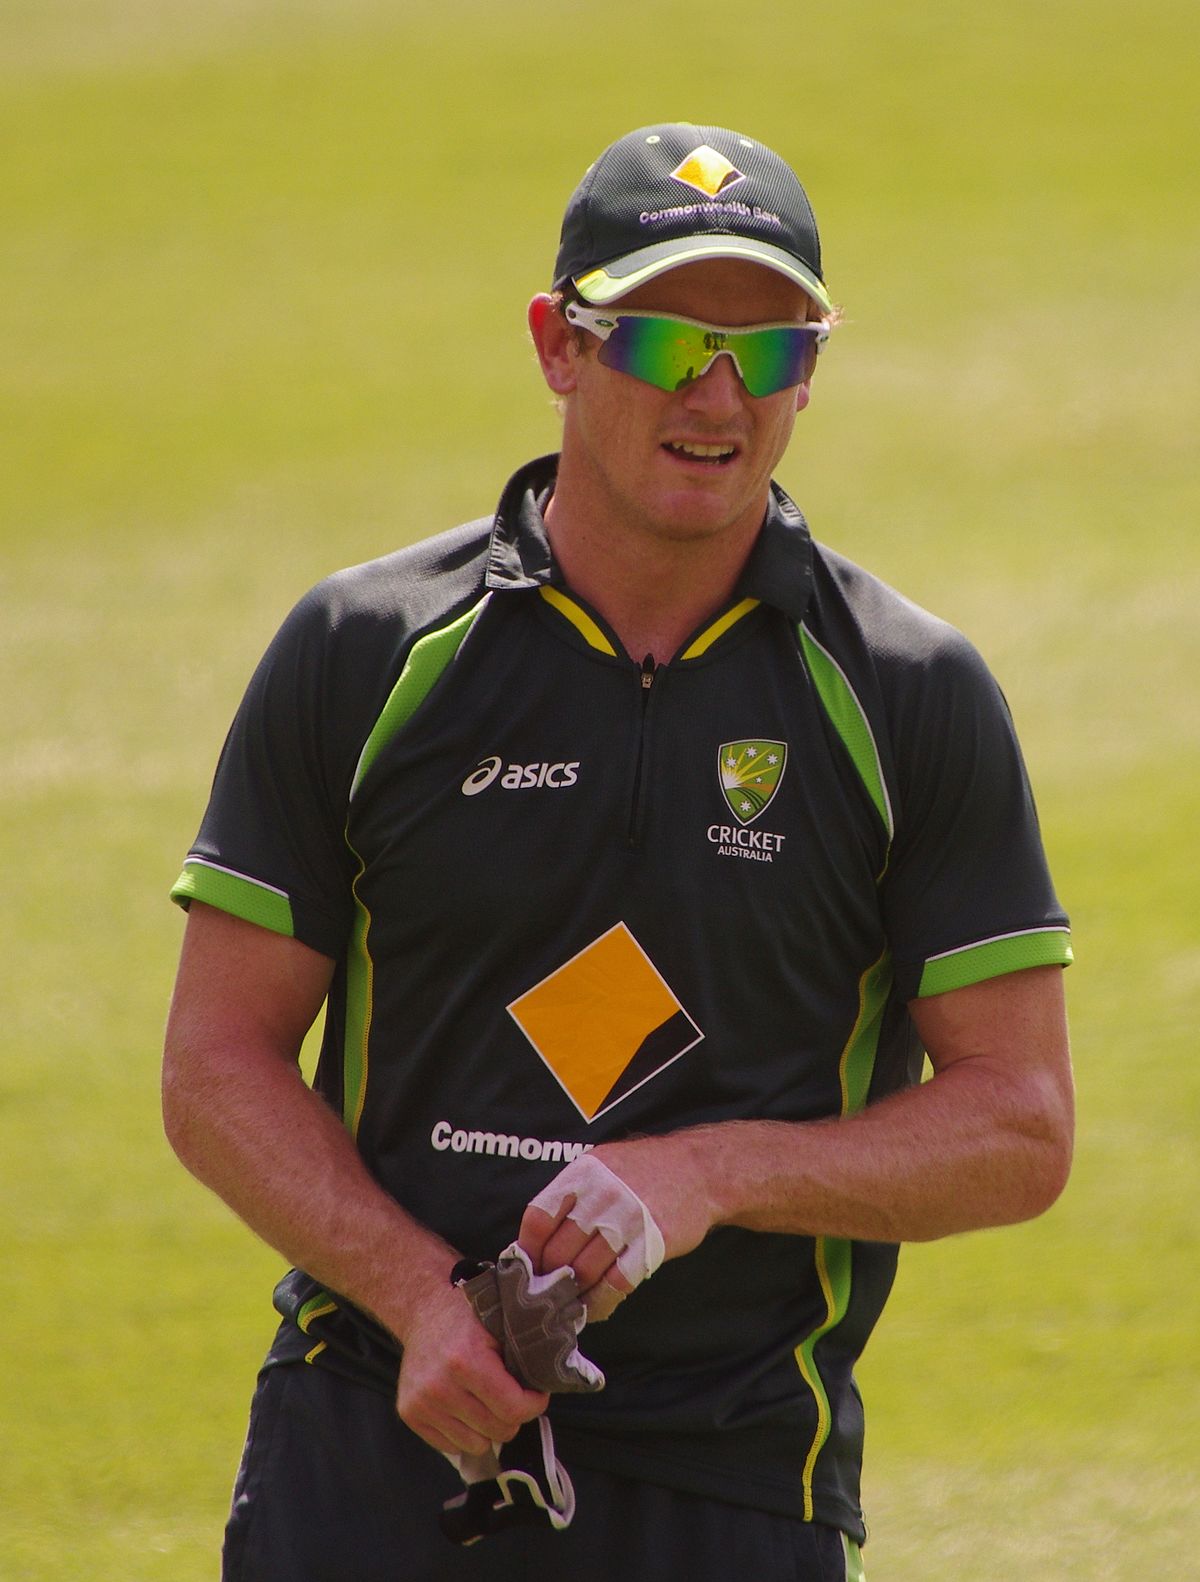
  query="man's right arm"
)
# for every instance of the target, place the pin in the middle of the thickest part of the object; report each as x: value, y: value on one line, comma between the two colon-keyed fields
x: 240, y: 1116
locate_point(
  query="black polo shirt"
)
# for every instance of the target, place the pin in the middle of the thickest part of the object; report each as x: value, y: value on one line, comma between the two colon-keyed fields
x: 573, y: 897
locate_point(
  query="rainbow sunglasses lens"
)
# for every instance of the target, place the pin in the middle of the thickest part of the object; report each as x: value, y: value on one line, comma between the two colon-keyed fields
x: 671, y: 352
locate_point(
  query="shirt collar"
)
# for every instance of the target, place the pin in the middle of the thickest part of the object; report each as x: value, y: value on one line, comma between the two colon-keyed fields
x: 519, y: 556
x: 778, y: 572
x: 780, y: 568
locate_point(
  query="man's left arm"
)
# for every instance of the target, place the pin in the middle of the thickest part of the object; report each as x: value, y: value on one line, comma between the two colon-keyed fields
x: 985, y: 1141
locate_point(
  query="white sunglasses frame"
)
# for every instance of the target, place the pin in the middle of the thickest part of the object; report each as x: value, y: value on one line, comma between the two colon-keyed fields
x: 602, y: 323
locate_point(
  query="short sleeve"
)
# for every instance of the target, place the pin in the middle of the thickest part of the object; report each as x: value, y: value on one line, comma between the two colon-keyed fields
x: 967, y: 893
x: 272, y: 846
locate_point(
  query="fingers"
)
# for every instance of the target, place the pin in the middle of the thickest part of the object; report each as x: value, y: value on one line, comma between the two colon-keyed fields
x: 594, y: 1264
x: 603, y: 1298
x: 461, y: 1424
x: 590, y: 1220
x: 538, y: 1228
x: 453, y: 1418
x: 557, y: 1242
x: 454, y: 1390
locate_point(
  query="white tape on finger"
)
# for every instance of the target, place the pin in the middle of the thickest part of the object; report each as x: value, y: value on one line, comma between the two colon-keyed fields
x: 602, y: 1301
x: 604, y: 1205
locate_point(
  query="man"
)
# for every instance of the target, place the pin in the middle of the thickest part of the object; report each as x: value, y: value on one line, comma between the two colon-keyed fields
x: 637, y: 846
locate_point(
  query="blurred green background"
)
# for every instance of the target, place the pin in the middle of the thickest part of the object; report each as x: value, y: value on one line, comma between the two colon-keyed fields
x: 263, y: 269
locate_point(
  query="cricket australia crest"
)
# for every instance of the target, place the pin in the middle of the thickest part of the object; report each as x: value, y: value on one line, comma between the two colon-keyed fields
x: 750, y: 773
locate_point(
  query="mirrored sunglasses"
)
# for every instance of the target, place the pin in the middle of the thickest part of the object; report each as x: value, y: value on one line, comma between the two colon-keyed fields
x: 672, y: 352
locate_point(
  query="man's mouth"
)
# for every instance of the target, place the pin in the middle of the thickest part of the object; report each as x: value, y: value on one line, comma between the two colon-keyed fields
x: 709, y: 455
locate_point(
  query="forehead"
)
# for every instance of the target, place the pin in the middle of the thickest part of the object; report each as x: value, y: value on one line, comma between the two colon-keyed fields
x: 722, y: 291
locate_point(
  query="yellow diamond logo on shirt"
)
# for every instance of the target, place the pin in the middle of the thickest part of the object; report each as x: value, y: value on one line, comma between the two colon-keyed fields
x: 707, y: 171
x: 750, y: 774
x: 605, y: 1022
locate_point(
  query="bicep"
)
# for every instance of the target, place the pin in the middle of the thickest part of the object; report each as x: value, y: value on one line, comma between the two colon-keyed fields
x: 1018, y: 1016
x: 243, y: 987
x: 1012, y: 1030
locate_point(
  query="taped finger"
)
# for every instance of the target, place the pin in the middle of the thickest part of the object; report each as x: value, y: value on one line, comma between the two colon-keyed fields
x: 605, y: 1205
x: 602, y: 1301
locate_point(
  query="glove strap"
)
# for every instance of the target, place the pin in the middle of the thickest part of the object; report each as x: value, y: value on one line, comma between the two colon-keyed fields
x: 531, y: 1489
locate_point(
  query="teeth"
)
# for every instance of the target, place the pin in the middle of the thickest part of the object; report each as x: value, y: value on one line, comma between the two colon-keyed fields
x: 704, y: 451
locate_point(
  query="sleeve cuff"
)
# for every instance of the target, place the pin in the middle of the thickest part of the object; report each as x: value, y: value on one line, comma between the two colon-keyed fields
x: 246, y: 898
x: 991, y: 958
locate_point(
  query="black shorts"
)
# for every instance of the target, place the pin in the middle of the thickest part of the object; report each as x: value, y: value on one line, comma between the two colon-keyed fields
x: 334, y: 1488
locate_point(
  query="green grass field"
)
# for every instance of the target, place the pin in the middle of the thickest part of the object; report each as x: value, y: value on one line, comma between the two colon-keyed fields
x: 262, y: 277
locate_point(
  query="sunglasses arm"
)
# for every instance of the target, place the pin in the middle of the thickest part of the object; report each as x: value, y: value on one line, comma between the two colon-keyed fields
x: 599, y: 324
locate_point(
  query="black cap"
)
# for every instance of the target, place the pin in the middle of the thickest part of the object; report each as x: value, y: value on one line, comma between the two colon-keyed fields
x: 668, y: 195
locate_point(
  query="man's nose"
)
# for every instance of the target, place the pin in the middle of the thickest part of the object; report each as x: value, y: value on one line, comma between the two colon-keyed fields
x: 718, y: 390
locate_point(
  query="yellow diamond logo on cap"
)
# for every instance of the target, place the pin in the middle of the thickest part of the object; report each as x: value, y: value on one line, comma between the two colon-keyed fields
x: 605, y: 1022
x: 707, y: 171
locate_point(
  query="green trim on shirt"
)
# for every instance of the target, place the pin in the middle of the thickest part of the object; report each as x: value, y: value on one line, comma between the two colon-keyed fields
x: 833, y: 1256
x: 849, y: 719
x: 426, y: 661
x: 959, y: 969
x: 857, y: 1064
x: 233, y: 892
x: 319, y: 1306
x: 427, y: 658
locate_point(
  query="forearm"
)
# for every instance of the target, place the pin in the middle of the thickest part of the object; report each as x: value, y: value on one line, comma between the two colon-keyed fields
x: 928, y: 1162
x: 987, y: 1141
x: 249, y: 1128
x: 242, y: 1119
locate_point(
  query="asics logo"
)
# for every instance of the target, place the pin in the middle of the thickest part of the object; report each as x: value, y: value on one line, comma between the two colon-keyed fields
x: 519, y: 777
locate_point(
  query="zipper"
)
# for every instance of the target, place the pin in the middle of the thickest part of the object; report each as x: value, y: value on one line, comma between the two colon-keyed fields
x: 645, y: 681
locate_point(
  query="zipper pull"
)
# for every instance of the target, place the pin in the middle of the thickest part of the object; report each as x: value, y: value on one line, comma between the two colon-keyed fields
x: 648, y: 668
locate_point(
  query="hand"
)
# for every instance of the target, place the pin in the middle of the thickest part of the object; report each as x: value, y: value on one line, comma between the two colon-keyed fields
x: 454, y: 1390
x: 557, y: 1242
x: 666, y: 1174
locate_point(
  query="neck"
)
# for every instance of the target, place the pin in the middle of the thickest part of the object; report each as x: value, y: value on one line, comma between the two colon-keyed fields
x: 653, y: 590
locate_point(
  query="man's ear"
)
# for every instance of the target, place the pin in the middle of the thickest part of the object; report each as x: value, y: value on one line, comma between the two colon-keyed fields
x: 803, y: 394
x: 554, y: 344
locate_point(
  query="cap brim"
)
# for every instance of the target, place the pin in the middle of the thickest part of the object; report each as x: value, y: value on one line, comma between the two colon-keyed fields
x: 620, y: 275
